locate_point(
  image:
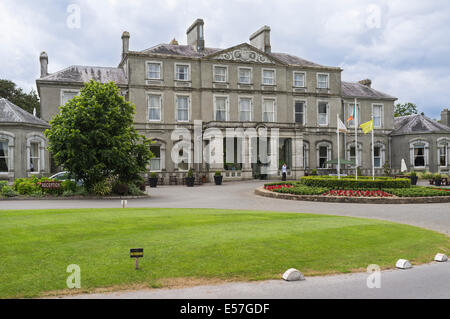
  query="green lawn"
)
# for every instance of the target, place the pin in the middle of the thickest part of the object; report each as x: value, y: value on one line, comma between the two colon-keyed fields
x: 36, y: 246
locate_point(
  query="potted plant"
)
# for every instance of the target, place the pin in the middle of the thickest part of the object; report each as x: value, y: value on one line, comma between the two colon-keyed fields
x: 387, y: 169
x: 218, y: 178
x: 190, y: 179
x: 437, y: 179
x: 414, y: 178
x: 153, y: 179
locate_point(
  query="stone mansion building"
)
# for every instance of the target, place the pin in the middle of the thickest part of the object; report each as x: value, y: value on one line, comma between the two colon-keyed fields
x: 250, y: 85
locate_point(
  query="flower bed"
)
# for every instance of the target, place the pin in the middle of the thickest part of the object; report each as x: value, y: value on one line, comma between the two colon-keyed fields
x: 295, y: 188
x: 419, y: 194
x: 418, y: 191
x: 357, y: 193
x: 274, y: 187
x: 363, y: 182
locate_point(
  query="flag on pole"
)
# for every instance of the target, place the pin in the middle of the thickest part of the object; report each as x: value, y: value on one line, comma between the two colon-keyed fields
x: 367, y: 127
x: 352, y: 116
x: 341, y: 126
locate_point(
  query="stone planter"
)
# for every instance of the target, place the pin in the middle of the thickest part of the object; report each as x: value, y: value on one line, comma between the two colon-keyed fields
x: 190, y: 181
x: 437, y: 182
x: 414, y: 180
x: 218, y: 180
x: 153, y: 181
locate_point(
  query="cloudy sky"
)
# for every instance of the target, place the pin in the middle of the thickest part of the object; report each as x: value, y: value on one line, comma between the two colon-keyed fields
x: 402, y: 45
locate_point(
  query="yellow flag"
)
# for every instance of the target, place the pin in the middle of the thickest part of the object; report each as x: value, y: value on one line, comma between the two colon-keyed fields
x: 367, y: 127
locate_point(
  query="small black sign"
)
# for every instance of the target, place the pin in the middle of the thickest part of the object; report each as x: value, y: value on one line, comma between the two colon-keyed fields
x: 136, y: 252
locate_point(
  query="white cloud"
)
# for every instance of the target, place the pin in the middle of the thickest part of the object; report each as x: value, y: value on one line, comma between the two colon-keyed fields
x: 401, y: 45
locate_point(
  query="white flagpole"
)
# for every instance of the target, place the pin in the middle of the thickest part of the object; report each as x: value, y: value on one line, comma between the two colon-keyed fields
x: 356, y: 137
x: 338, y: 147
x: 373, y: 154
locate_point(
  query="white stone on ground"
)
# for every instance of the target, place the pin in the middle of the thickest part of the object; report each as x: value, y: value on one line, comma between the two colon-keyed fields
x: 403, y: 264
x: 293, y: 275
x: 441, y: 257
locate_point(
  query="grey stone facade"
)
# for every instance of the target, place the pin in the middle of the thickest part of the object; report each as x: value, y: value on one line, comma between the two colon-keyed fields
x: 23, y: 147
x: 245, y: 86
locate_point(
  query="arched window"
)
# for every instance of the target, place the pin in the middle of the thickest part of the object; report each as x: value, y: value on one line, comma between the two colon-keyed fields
x: 379, y: 151
x: 419, y: 153
x: 158, y: 163
x: 6, y: 152
x: 352, y: 153
x: 35, y: 152
x: 323, y: 151
x: 443, y: 150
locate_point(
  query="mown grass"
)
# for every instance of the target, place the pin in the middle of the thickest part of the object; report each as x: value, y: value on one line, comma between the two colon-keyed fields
x: 36, y: 246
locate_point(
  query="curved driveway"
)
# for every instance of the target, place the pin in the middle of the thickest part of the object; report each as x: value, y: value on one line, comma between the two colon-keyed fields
x: 240, y: 195
x: 426, y: 281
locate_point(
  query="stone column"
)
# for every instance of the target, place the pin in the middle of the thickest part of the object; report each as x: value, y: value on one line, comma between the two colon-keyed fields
x: 297, y: 156
x: 246, y: 158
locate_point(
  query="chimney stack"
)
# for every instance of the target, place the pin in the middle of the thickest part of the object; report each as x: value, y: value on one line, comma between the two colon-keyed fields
x: 366, y: 82
x: 125, y: 43
x: 43, y: 58
x: 445, y: 117
x: 195, y: 35
x: 261, y: 39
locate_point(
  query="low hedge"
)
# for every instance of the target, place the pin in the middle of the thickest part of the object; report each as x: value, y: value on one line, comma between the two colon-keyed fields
x: 349, y: 182
x: 417, y: 191
x: 303, y: 190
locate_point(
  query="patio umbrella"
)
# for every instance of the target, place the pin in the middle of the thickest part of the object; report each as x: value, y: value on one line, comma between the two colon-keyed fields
x: 403, y: 166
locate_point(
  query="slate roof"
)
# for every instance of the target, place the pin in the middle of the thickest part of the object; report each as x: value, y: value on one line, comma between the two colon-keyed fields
x: 417, y: 124
x: 11, y: 113
x: 78, y: 73
x: 294, y: 60
x: 180, y: 50
x: 358, y: 90
x: 188, y: 51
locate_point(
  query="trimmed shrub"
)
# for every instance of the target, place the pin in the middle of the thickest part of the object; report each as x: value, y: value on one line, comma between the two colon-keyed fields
x: 120, y: 188
x: 25, y: 186
x: 8, y: 191
x: 303, y: 190
x: 102, y: 188
x: 349, y: 182
x: 2, y: 184
x: 418, y: 191
x: 69, y: 186
x: 153, y: 175
x: 134, y: 190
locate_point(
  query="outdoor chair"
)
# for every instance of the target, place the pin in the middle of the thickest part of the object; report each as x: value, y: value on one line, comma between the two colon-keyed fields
x: 173, y: 180
x: 182, y: 179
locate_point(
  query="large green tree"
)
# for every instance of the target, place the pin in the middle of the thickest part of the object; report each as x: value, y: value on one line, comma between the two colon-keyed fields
x: 405, y: 109
x: 93, y: 137
x: 27, y: 101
